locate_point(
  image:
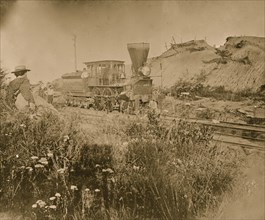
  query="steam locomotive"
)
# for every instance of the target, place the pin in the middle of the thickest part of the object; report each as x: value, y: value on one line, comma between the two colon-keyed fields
x: 103, y: 85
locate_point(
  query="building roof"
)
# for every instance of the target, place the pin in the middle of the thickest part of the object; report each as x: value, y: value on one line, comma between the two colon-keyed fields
x: 76, y: 74
x: 104, y: 62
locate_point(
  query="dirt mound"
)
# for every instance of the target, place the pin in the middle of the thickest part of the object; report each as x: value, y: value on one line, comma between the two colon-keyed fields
x: 182, y: 61
x: 237, y: 65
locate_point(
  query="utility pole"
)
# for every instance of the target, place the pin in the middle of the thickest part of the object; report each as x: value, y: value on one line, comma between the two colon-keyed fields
x: 173, y: 39
x: 74, y: 39
x: 161, y: 70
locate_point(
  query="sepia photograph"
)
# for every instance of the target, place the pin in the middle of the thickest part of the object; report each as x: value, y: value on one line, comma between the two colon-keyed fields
x: 132, y: 110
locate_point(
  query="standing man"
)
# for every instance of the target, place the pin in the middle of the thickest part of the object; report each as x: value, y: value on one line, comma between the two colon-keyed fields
x: 50, y: 93
x: 20, y: 85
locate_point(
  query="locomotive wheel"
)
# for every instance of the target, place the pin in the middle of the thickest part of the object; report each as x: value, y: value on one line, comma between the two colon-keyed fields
x: 108, y: 92
x: 96, y: 91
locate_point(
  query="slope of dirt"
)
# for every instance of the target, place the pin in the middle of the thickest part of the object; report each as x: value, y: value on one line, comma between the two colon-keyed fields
x: 182, y: 61
x: 245, y: 67
x: 237, y: 65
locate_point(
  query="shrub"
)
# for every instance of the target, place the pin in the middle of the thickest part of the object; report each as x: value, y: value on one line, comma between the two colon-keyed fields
x: 50, y: 169
x: 175, y: 173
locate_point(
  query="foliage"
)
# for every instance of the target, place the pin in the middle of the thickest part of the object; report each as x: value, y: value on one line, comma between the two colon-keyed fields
x: 50, y: 169
x: 220, y: 93
x: 174, y: 172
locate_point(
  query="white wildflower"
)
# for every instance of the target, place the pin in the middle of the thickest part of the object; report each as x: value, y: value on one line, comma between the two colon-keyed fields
x: 57, y: 194
x: 61, y: 170
x: 97, y: 165
x: 34, y: 158
x: 136, y: 168
x: 87, y: 190
x: 108, y: 170
x: 52, y: 206
x: 42, y: 204
x: 39, y: 166
x: 49, y: 154
x: 66, y: 138
x: 179, y: 161
x: 43, y: 160
x: 73, y: 187
x: 52, y: 198
x: 29, y: 168
x: 97, y: 190
x: 34, y: 206
x: 17, y: 156
x: 125, y: 144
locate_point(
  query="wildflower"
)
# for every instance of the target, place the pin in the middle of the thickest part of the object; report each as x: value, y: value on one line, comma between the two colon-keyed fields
x: 97, y: 165
x: 50, y: 154
x: 108, y: 170
x: 34, y: 158
x: 6, y: 134
x: 87, y: 190
x: 74, y: 187
x: 97, y: 190
x: 42, y: 204
x: 44, y: 161
x: 61, y: 170
x: 52, y: 206
x: 57, y: 194
x: 136, y: 168
x: 66, y: 138
x: 17, y: 156
x: 125, y: 144
x: 39, y: 166
x: 52, y: 198
x: 29, y: 168
x: 34, y: 206
x: 179, y: 161
x: 23, y: 125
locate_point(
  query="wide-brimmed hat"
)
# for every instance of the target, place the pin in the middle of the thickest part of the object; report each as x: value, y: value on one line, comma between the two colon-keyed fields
x: 20, y: 68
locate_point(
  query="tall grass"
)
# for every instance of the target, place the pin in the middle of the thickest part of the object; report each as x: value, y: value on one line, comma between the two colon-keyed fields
x: 52, y: 169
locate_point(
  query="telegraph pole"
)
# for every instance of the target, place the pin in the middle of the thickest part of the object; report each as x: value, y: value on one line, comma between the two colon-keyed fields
x: 74, y: 39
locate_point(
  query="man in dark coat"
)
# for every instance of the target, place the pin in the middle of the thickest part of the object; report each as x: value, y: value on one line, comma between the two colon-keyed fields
x: 20, y: 85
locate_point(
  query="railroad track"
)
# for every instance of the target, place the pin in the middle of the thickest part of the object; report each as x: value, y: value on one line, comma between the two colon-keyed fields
x: 244, y: 135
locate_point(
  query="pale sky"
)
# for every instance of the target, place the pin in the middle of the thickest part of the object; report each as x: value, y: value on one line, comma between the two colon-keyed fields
x: 39, y: 33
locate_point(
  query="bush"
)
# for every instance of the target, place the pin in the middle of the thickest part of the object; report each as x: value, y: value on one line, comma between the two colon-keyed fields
x: 175, y: 173
x: 50, y: 169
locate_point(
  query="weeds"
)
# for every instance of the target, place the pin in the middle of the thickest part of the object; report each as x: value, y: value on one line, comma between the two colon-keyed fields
x: 51, y: 169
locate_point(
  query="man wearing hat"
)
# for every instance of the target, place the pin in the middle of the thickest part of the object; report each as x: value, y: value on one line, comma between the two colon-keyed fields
x: 20, y: 85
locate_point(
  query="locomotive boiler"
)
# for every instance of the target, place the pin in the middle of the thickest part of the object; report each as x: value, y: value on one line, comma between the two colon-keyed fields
x: 104, y: 84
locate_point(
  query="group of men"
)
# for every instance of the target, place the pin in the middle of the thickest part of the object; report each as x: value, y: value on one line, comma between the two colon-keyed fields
x: 46, y: 92
x: 20, y: 85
